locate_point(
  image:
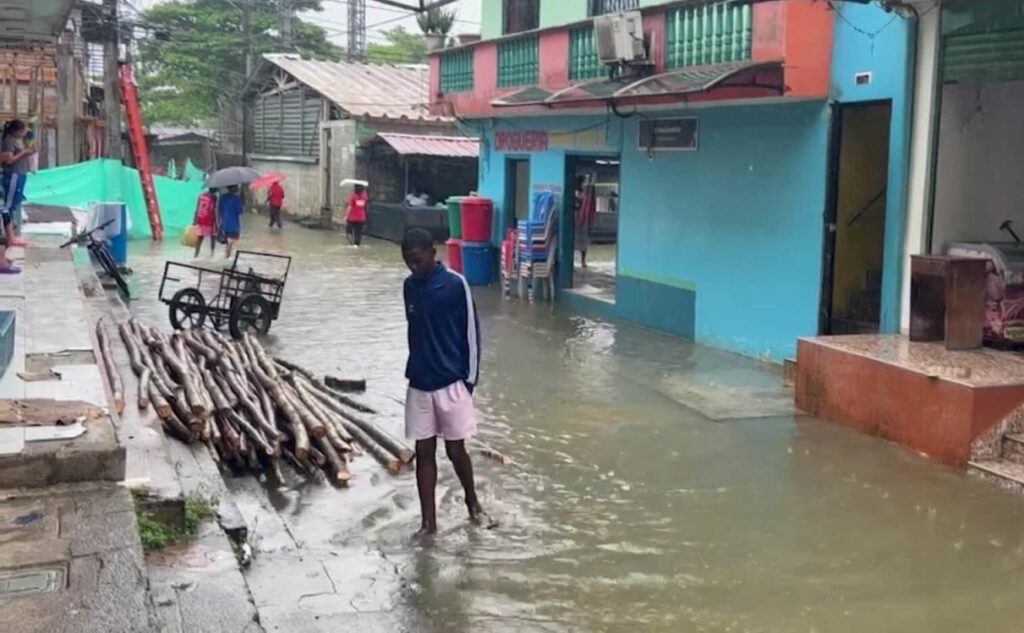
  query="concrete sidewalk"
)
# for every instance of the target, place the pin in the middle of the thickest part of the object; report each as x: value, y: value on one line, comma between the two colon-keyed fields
x: 54, y: 360
x: 70, y: 555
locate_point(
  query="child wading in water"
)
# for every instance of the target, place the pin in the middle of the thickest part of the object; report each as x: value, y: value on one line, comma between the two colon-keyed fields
x: 443, y: 368
x: 206, y: 220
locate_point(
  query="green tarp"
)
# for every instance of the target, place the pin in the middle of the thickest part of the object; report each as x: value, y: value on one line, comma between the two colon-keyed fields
x: 107, y: 180
x: 191, y: 172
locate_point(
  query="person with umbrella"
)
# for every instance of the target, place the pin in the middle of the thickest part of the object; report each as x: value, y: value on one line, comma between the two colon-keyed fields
x: 275, y: 200
x: 205, y: 220
x: 229, y: 218
x: 229, y: 207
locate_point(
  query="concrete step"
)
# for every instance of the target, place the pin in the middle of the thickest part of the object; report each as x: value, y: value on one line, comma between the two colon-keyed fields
x: 1013, y: 448
x: 1006, y: 474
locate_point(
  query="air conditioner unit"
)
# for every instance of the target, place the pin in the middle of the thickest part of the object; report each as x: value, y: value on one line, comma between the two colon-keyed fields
x: 620, y: 38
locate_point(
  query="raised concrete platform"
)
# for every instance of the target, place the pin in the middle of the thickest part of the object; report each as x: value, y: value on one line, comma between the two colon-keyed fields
x: 948, y: 405
x: 52, y: 333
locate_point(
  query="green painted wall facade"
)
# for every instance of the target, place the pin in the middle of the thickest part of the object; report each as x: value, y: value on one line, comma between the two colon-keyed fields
x: 552, y: 13
x: 562, y: 12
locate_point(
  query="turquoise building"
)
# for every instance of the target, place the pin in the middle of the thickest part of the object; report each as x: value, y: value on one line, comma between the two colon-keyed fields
x: 758, y: 164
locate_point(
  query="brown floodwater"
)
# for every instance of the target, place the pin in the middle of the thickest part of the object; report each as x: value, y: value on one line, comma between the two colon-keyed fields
x: 658, y: 487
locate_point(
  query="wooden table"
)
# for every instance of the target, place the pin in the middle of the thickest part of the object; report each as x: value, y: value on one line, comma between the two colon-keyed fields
x: 947, y: 300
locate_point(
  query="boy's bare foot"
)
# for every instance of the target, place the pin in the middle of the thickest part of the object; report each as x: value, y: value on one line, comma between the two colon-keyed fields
x: 426, y: 531
x: 478, y: 516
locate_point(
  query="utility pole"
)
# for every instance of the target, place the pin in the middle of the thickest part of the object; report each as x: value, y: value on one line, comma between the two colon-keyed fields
x: 356, y: 30
x: 285, y: 19
x: 247, y: 35
x: 67, y: 100
x: 111, y: 90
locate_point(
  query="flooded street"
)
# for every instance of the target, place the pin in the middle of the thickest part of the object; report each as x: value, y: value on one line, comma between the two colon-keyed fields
x: 658, y: 487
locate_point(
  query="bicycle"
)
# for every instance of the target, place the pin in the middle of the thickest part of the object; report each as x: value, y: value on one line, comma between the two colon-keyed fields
x: 99, y: 251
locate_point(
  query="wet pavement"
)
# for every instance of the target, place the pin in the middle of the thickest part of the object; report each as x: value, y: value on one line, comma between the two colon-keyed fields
x: 659, y: 487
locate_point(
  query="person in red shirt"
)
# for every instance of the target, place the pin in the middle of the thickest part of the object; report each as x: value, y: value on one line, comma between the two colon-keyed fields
x: 275, y: 198
x: 355, y: 215
x: 205, y: 220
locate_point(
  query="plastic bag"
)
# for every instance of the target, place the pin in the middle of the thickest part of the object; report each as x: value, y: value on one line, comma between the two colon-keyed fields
x: 191, y: 236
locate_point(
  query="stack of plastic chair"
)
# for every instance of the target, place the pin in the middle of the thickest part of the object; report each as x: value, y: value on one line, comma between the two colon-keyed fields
x: 536, y: 246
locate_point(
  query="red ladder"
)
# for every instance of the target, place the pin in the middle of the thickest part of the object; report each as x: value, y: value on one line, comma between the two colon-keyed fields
x: 137, y: 136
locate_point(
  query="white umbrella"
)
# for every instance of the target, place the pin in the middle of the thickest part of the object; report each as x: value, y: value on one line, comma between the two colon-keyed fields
x: 231, y: 176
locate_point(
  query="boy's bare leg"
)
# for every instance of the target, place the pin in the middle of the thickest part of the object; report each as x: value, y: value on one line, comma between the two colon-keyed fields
x: 463, y: 465
x: 426, y: 482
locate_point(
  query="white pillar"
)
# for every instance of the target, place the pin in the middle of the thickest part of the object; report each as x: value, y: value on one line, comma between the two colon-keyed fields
x: 924, y: 128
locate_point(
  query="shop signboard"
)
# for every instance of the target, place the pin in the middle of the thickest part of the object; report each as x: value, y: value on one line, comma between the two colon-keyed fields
x: 540, y: 140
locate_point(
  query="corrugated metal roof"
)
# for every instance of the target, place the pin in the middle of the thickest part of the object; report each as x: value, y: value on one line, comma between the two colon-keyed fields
x: 422, y: 145
x: 363, y: 90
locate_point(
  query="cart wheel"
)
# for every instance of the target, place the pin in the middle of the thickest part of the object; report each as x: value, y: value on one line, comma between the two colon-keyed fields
x: 250, y: 314
x: 187, y: 309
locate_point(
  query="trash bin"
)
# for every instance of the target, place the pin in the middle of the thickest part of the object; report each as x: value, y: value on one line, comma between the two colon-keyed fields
x: 454, y: 255
x: 116, y: 234
x: 478, y: 260
x: 476, y: 219
x: 455, y: 217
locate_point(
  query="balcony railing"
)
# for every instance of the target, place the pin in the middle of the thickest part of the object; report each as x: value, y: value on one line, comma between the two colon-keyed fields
x: 457, y: 71
x: 517, y: 61
x: 710, y: 34
x: 583, y: 60
x: 602, y: 7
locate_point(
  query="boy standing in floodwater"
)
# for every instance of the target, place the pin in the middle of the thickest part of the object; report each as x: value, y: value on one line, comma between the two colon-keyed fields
x: 443, y: 369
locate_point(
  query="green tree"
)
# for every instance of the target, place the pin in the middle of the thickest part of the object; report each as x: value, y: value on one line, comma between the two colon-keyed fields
x: 194, y: 64
x: 402, y: 47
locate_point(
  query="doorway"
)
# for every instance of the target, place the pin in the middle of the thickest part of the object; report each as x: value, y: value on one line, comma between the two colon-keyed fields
x: 594, y: 192
x: 851, y: 298
x: 517, y: 173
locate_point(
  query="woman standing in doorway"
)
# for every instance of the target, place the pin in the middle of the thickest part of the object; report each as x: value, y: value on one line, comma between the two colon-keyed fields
x: 586, y: 212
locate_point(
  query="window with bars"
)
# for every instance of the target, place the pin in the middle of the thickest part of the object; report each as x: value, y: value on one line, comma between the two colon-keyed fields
x: 457, y: 71
x: 520, y: 15
x: 517, y: 61
x: 709, y: 34
x: 583, y: 60
x: 603, y: 7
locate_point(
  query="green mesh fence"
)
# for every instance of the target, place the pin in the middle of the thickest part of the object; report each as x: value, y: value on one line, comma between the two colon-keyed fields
x: 191, y: 172
x: 108, y: 180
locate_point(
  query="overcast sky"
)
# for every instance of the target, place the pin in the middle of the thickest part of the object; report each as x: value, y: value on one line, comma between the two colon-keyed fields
x: 334, y: 18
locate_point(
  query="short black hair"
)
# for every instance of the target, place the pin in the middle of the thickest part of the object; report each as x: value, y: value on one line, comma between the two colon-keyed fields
x: 417, y: 238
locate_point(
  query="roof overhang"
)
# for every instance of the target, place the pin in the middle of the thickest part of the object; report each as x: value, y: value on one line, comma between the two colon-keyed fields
x: 434, y: 146
x: 33, y: 20
x: 740, y: 80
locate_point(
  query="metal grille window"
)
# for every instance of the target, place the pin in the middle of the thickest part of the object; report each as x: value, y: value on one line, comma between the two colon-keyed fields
x: 287, y: 124
x: 602, y: 7
x: 583, y: 60
x: 517, y: 62
x: 457, y: 71
x: 520, y: 15
x: 709, y: 34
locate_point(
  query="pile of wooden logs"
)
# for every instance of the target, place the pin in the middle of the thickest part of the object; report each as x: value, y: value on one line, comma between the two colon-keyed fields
x: 249, y: 409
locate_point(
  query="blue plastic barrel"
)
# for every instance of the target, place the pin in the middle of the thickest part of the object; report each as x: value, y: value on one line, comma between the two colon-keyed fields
x: 119, y: 241
x: 478, y: 260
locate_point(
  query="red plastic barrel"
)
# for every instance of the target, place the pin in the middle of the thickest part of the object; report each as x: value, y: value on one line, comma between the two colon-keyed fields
x: 454, y: 255
x: 476, y: 219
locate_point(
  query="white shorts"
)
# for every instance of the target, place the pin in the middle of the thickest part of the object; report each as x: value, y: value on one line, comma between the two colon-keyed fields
x: 447, y: 412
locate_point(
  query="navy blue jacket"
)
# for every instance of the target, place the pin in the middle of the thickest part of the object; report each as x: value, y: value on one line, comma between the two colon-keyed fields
x: 444, y: 332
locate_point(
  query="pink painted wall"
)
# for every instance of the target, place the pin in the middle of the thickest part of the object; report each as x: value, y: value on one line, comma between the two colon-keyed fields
x: 553, y: 48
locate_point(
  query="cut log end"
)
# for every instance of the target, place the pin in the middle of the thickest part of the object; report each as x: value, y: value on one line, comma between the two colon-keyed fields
x: 406, y: 455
